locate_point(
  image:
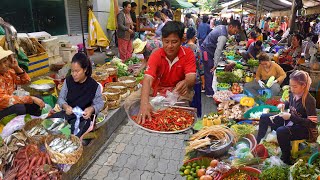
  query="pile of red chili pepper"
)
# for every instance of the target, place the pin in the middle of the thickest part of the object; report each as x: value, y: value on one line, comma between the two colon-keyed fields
x: 171, y: 119
x: 273, y: 101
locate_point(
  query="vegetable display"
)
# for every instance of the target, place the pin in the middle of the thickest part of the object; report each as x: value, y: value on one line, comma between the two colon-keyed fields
x: 303, y: 171
x: 243, y: 129
x: 236, y: 88
x: 225, y: 86
x: 227, y: 77
x: 132, y: 60
x: 122, y: 68
x: 221, y: 96
x: 170, y: 119
x: 275, y: 173
x: 219, y: 136
x: 247, y: 101
x: 274, y: 101
x: 253, y: 62
x: 270, y: 81
x: 31, y: 163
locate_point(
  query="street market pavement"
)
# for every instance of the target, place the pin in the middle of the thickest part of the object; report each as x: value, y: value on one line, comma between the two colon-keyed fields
x: 135, y: 154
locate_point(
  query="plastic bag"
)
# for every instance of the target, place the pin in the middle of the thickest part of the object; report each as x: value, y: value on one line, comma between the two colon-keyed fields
x: 171, y: 98
x: 272, y: 137
x: 214, y: 82
x: 15, y: 124
x: 273, y: 161
x: 45, y: 111
x: 78, y: 112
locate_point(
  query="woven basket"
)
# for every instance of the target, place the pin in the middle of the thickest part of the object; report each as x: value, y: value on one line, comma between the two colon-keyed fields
x: 36, y: 139
x: 133, y: 89
x: 112, y: 70
x: 112, y: 94
x: 114, y: 104
x: 124, y: 96
x: 64, y: 158
x: 132, y: 81
x: 100, y: 75
x: 118, y: 85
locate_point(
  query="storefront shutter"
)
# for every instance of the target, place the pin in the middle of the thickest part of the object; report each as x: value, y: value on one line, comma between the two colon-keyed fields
x: 73, y: 15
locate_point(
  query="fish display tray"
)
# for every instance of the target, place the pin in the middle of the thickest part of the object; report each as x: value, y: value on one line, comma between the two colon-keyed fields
x: 36, y: 139
x: 133, y: 110
x: 64, y: 158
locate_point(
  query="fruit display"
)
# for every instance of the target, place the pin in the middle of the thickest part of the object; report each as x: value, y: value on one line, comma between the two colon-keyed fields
x: 210, y: 120
x: 236, y: 88
x: 203, y: 169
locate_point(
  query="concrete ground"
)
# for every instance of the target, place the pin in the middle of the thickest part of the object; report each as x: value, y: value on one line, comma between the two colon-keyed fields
x: 135, y: 154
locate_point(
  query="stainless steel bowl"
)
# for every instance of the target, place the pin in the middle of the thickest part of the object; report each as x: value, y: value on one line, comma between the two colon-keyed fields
x: 43, y: 88
x: 134, y: 110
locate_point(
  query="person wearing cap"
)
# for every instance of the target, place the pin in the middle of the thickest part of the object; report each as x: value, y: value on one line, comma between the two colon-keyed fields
x: 146, y: 48
x: 170, y: 68
x: 12, y: 75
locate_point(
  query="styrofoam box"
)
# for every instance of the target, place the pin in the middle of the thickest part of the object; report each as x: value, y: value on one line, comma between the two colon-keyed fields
x: 67, y: 54
x: 52, y: 46
x: 40, y: 35
x: 55, y: 60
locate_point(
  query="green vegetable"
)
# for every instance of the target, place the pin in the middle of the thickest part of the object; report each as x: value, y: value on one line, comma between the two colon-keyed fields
x: 275, y: 173
x: 253, y: 63
x: 46, y: 123
x: 1, y: 141
x: 238, y: 66
x: 227, y: 77
x: 270, y: 81
x: 303, y: 171
x: 132, y: 60
x: 223, y: 85
x: 27, y: 118
x: 7, y: 119
x: 243, y: 129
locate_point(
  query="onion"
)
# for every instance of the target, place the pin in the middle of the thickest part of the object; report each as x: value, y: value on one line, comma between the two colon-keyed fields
x: 206, y: 177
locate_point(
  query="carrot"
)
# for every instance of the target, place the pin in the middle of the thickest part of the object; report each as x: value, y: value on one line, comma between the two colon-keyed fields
x: 23, y: 169
x: 33, y: 161
x: 42, y: 177
x: 48, y: 159
x: 39, y: 161
x: 44, y: 159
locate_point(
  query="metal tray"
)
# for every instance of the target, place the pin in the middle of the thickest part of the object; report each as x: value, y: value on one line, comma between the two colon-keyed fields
x: 134, y: 110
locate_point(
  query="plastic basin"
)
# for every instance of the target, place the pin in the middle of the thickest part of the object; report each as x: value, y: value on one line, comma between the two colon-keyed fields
x: 246, y: 170
x: 313, y: 158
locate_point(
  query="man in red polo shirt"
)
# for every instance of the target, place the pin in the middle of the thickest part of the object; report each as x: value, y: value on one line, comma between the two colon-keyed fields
x: 172, y: 68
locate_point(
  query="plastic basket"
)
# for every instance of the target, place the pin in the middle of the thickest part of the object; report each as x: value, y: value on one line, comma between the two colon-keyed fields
x: 273, y: 109
x: 247, y: 170
x: 260, y: 151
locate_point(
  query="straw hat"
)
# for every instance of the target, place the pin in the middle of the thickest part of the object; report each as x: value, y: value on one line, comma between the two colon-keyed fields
x: 4, y: 53
x: 138, y: 45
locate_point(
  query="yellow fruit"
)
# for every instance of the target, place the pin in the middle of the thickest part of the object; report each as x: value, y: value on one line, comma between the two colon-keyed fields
x: 209, y: 122
x: 204, y: 122
x: 217, y: 121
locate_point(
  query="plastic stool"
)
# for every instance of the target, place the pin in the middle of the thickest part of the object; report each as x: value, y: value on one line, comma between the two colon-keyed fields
x: 295, y: 148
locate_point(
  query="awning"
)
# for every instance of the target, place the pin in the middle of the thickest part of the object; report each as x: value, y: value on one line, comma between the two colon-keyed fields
x: 176, y: 4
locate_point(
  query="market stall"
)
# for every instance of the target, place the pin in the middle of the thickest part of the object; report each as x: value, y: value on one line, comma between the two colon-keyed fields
x: 224, y: 144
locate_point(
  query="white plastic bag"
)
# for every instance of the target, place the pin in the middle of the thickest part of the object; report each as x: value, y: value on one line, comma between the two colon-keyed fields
x: 78, y: 112
x: 273, y: 161
x: 171, y: 98
x: 15, y: 124
x: 272, y: 137
x: 214, y: 82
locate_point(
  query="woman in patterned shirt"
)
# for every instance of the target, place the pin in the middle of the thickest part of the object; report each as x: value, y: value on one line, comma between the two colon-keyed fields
x: 12, y: 75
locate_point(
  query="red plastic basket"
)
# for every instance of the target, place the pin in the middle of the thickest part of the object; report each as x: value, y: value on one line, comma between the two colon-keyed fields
x: 248, y: 170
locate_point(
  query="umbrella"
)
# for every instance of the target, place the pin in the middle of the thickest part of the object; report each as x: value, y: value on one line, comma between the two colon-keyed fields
x: 96, y: 36
x: 181, y: 4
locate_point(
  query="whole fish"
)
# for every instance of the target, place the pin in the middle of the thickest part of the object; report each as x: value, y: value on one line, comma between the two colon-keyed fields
x: 55, y: 142
x: 59, y: 127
